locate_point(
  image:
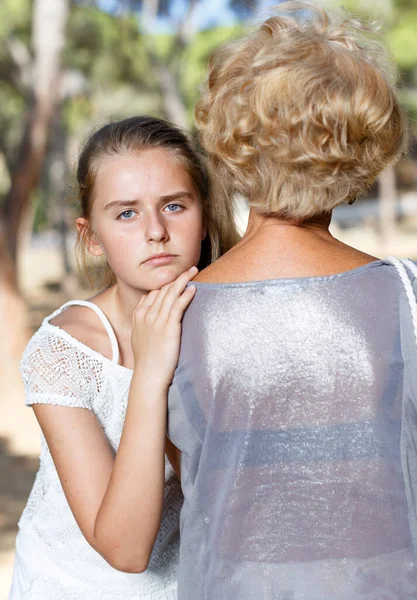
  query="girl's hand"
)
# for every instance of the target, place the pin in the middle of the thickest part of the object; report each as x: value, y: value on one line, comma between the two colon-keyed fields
x: 156, y: 331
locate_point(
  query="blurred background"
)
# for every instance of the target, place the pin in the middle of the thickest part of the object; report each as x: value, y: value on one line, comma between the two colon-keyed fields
x: 69, y: 66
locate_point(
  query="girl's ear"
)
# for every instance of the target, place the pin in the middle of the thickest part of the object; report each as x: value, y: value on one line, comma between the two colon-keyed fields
x: 88, y: 237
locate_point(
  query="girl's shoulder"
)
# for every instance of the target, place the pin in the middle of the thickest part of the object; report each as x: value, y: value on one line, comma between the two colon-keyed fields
x: 57, y: 367
x: 84, y: 326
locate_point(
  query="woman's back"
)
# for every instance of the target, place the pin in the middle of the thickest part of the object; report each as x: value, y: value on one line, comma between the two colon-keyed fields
x: 293, y: 401
x: 288, y: 404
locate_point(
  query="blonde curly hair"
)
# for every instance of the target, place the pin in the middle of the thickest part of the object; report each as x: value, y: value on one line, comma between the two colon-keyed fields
x: 302, y: 114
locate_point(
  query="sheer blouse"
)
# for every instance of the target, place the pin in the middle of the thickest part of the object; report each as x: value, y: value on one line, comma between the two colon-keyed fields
x: 295, y: 407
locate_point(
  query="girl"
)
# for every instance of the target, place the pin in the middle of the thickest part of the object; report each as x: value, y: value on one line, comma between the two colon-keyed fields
x: 98, y: 383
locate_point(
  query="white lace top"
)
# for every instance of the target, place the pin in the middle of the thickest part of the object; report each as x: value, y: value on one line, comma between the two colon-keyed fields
x: 53, y: 559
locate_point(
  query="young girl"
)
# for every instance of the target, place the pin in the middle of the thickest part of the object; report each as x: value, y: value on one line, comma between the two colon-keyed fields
x: 98, y: 382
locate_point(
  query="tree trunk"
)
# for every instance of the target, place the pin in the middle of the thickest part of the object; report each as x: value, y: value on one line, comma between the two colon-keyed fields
x: 14, y: 336
x: 58, y: 210
x: 49, y: 22
x: 172, y: 100
x: 168, y: 74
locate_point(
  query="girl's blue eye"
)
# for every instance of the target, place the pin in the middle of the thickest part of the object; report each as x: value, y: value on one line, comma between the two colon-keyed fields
x: 126, y: 215
x: 173, y: 207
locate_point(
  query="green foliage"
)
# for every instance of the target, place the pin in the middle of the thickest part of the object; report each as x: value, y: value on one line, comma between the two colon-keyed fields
x: 195, y: 59
x: 15, y: 22
x: 4, y: 176
x: 39, y: 208
x: 378, y: 9
x: 405, y: 5
x: 15, y: 17
x: 12, y: 106
x: 161, y: 45
x: 110, y: 53
x: 107, y: 49
x: 402, y: 39
x: 408, y: 97
x: 191, y: 61
x: 76, y: 111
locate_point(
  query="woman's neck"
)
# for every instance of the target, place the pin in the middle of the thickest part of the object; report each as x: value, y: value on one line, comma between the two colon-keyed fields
x: 274, y: 248
x: 258, y: 223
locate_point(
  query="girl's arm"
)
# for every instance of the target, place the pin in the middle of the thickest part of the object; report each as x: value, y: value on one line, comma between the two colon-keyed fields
x: 117, y: 501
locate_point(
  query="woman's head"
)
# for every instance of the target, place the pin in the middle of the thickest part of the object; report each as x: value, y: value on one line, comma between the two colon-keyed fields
x: 145, y: 191
x: 302, y: 114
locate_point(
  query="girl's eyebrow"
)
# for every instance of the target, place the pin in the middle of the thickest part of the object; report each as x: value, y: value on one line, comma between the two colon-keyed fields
x: 121, y: 203
x: 168, y: 198
x: 171, y: 197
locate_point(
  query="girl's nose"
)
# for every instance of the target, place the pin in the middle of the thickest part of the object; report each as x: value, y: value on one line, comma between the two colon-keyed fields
x: 156, y: 230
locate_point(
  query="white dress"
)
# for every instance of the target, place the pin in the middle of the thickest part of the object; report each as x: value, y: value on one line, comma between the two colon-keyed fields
x: 53, y: 559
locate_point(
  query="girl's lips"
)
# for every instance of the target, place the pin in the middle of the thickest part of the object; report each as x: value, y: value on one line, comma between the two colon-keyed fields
x: 159, y: 261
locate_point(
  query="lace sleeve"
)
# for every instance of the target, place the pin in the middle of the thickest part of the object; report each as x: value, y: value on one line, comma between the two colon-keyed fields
x: 55, y: 371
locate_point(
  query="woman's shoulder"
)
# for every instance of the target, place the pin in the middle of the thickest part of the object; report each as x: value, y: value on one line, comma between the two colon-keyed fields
x: 221, y: 270
x: 236, y: 269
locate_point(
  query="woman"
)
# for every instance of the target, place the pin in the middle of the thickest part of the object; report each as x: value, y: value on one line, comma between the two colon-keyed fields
x: 97, y: 379
x: 294, y: 400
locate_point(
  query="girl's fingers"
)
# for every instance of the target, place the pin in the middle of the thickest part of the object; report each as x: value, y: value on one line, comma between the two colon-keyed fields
x: 175, y: 290
x: 141, y: 301
x: 155, y: 306
x: 144, y: 305
x: 158, y: 303
x: 149, y: 299
x: 177, y: 311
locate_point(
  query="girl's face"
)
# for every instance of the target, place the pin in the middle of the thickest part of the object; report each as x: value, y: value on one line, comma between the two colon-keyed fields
x: 146, y: 219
